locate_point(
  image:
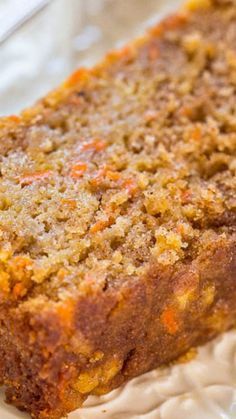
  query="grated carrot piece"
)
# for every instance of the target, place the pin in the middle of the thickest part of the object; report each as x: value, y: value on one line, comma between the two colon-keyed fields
x: 170, y: 23
x: 78, y: 170
x: 175, y: 21
x: 196, y: 133
x: 131, y: 186
x: 95, y: 145
x: 169, y: 320
x: 71, y: 203
x: 14, y: 118
x: 98, y: 177
x: 66, y: 311
x: 124, y: 52
x: 100, y: 225
x: 19, y: 290
x: 105, y: 172
x: 186, y: 111
x: 81, y: 75
x: 113, y: 175
x: 22, y: 262
x: 180, y: 229
x: 30, y: 178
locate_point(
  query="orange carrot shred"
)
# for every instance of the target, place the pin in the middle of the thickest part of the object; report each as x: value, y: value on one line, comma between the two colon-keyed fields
x: 124, y: 52
x: 80, y: 75
x: 98, y: 177
x: 22, y: 262
x: 34, y: 177
x: 180, y: 229
x: 14, y: 118
x: 196, y: 134
x: 71, y: 203
x: 95, y: 145
x: 131, y: 186
x: 99, y: 226
x: 113, y: 175
x: 18, y: 290
x: 105, y: 172
x: 78, y: 170
x: 174, y: 21
x: 66, y: 311
x: 169, y: 320
x: 170, y: 23
x: 186, y: 111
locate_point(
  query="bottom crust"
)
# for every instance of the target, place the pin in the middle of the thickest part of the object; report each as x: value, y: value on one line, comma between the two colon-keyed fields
x: 51, y: 362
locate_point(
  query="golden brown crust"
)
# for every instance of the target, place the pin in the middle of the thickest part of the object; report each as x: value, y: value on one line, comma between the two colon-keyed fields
x: 117, y: 215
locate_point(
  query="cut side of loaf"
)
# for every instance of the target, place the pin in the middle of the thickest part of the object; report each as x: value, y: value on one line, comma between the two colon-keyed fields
x: 118, y: 215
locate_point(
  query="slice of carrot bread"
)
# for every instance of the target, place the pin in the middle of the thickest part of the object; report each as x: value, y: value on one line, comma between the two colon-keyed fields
x: 118, y: 215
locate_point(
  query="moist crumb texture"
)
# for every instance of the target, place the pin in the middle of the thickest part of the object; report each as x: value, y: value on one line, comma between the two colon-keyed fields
x: 118, y: 215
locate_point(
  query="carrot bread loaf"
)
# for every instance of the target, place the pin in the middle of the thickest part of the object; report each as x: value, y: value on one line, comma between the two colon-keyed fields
x: 118, y: 215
